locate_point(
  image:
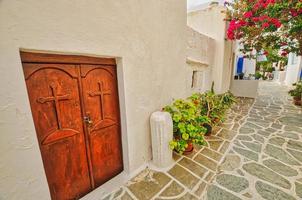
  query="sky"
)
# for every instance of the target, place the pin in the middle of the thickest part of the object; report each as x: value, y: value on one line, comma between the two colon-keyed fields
x: 193, y: 3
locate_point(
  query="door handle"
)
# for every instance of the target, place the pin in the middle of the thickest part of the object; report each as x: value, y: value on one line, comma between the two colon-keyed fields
x: 88, y: 120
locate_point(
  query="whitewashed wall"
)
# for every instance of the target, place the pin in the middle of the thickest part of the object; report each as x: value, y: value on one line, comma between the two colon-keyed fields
x: 249, y: 66
x: 148, y: 37
x: 293, y: 69
x: 211, y: 22
x: 200, y: 60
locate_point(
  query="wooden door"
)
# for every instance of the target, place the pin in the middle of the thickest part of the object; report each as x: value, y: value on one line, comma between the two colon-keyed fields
x: 74, y: 103
x: 56, y: 108
x: 102, y: 109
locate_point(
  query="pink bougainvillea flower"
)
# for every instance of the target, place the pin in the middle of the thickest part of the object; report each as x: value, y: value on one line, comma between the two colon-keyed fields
x: 294, y: 12
x: 276, y: 22
x: 284, y: 53
x: 242, y: 23
x: 266, y: 3
x: 231, y: 35
x: 256, y: 19
x: 248, y: 14
x: 265, y: 25
x: 283, y: 43
x: 263, y: 17
x: 256, y: 7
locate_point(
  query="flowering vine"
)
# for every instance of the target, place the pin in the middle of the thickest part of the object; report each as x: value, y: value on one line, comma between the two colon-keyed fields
x: 259, y: 24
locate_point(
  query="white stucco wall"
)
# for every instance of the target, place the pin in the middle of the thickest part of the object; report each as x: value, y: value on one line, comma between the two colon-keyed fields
x: 200, y: 58
x: 211, y: 22
x: 293, y: 69
x: 245, y: 88
x: 149, y: 38
x: 249, y: 66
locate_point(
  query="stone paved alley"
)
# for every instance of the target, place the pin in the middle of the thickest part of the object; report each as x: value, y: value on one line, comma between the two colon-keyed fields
x: 256, y: 154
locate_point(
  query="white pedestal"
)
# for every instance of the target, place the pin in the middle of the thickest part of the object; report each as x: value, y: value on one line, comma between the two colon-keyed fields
x: 161, y: 134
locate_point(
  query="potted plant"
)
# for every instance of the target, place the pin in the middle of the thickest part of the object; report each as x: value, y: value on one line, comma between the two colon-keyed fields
x: 213, y: 106
x: 187, y: 125
x: 258, y: 75
x: 210, y: 107
x: 203, y: 102
x: 296, y: 93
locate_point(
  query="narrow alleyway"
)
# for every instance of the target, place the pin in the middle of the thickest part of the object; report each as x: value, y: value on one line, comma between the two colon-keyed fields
x: 256, y: 154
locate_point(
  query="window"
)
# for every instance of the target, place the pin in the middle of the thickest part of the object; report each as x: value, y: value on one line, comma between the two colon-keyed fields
x: 194, y: 79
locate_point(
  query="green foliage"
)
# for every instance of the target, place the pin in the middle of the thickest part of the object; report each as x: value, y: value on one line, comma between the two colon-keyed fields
x: 270, y: 69
x: 214, y: 106
x: 258, y: 75
x: 297, y: 91
x: 228, y: 99
x: 259, y: 24
x: 187, y: 124
x: 265, y: 66
x: 273, y: 56
x: 189, y: 117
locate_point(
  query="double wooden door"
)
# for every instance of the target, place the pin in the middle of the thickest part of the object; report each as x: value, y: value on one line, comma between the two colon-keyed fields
x: 74, y: 103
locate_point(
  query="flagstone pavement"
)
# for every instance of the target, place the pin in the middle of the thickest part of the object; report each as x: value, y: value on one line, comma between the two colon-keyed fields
x: 255, y: 154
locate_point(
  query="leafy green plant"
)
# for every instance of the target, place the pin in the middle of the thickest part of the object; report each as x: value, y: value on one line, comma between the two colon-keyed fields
x: 214, y: 106
x: 258, y: 75
x: 187, y: 124
x: 190, y: 117
x: 228, y: 99
x: 297, y: 91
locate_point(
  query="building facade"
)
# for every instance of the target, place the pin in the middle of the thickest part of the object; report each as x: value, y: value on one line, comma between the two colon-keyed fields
x: 155, y: 55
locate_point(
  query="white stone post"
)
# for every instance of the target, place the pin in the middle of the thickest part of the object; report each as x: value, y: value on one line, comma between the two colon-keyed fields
x: 161, y: 134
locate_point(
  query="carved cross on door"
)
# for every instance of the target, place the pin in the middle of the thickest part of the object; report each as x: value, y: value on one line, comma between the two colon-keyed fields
x: 56, y: 99
x: 101, y: 93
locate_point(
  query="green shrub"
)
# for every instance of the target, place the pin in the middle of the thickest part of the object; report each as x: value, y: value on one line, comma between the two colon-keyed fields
x: 191, y: 115
x: 258, y: 75
x: 214, y: 106
x: 297, y: 91
x: 187, y: 124
x: 270, y: 69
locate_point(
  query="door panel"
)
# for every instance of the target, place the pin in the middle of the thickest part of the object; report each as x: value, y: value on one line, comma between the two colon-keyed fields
x: 56, y: 109
x: 101, y: 105
x: 106, y: 154
x: 64, y: 93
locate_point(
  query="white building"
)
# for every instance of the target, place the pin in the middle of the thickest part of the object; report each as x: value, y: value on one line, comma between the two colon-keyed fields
x: 156, y: 59
x: 200, y: 60
x: 293, y: 69
x: 209, y: 19
x: 248, y: 64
